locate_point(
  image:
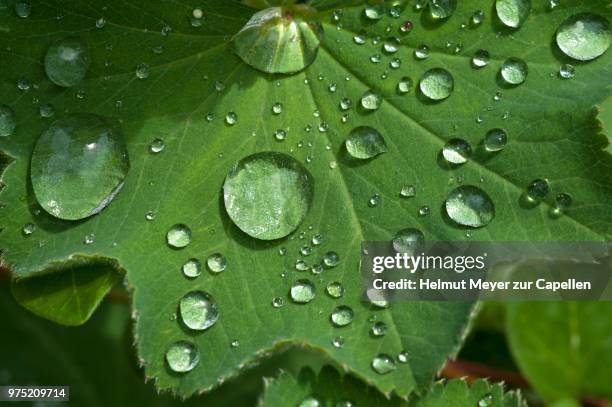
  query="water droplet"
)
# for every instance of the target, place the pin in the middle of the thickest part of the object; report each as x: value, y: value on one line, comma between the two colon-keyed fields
x: 150, y: 215
x: 405, y: 85
x: 302, y: 291
x: 100, y: 22
x: 310, y: 401
x: 391, y: 45
x: 89, y: 238
x: 182, y: 356
x: 268, y: 194
x: 235, y: 343
x: 457, y: 151
x: 395, y: 63
x: 538, y: 190
x: 277, y: 302
x: 371, y: 100
x: 383, y: 364
x: 28, y: 229
x: 562, y: 203
x: 402, y: 357
x: 78, y: 166
x: 513, y: 13
x: 406, y: 27
x: 379, y: 329
x: 198, y: 310
x: 66, y: 62
x: 192, y: 268
x: 441, y: 9
x: 375, y: 59
x: 584, y: 36
x: 567, y: 71
x: 23, y: 9
x: 437, y: 84
x: 359, y: 39
x: 46, y: 110
x: 219, y: 86
x: 8, y: 122
x: 277, y: 108
x: 470, y: 206
x: 408, y: 241
x: 422, y: 52
x: 335, y: 289
x: 480, y: 58
x: 345, y: 104
x: 280, y: 39
x: 374, y: 200
x: 365, y: 142
x: 331, y: 259
x: 216, y: 262
x: 374, y: 12
x: 477, y: 18
x: 179, y: 236
x: 342, y: 316
x: 157, y: 146
x: 231, y: 118
x: 317, y: 239
x: 280, y: 134
x: 142, y: 71
x: 408, y: 191
x: 495, y: 140
x: 486, y: 401
x: 338, y: 342
x: 514, y: 71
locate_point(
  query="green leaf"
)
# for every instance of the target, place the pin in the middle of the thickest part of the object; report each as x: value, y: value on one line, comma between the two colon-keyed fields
x: 550, y: 125
x: 330, y: 388
x: 570, y: 339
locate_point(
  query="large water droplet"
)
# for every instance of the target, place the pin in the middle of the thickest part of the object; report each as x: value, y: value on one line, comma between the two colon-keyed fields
x: 302, y: 291
x: 409, y: 240
x: 365, y: 142
x: 342, y: 316
x: 268, y: 194
x: 457, y: 151
x: 280, y: 39
x: 78, y: 166
x: 383, y: 364
x: 584, y: 36
x: 440, y: 9
x: 437, y: 84
x: 470, y: 206
x: 7, y: 121
x: 495, y: 140
x: 66, y: 62
x: 514, y: 71
x: 198, y: 310
x: 178, y: 236
x: 182, y: 356
x: 513, y: 13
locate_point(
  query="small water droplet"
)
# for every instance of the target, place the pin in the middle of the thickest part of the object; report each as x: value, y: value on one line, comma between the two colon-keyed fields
x: 405, y: 85
x: 342, y: 316
x: 470, y: 206
x: 495, y: 140
x: 182, y: 356
x: 457, y: 151
x: 22, y: 9
x: 538, y: 190
x: 480, y: 58
x: 89, y: 239
x: 365, y: 142
x: 331, y: 259
x: 231, y: 118
x: 437, y: 84
x: 486, y: 401
x: 371, y: 100
x: 216, y: 263
x: 280, y: 134
x: 179, y: 236
x: 8, y: 122
x: 374, y: 12
x: 513, y: 13
x: 562, y: 203
x: 277, y: 108
x: 277, y: 302
x: 379, y: 329
x: 567, y: 71
x: 235, y: 343
x: 402, y: 357
x: 28, y: 229
x: 150, y: 215
x: 408, y: 191
x: 383, y: 364
x: 406, y: 27
x: 477, y: 18
x: 335, y: 289
x: 514, y: 71
x: 310, y: 401
x: 442, y: 9
x: 157, y: 146
x: 142, y: 71
x: 192, y: 268
x: 409, y: 240
x: 374, y: 200
x: 198, y: 310
x: 302, y: 291
x: 421, y: 52
x: 338, y: 342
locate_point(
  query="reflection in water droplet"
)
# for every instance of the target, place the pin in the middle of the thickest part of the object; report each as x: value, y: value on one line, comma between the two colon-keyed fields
x: 302, y: 291
x: 477, y: 18
x: 231, y: 118
x: 198, y: 310
x: 457, y: 151
x: 374, y: 12
x: 342, y: 316
x: 66, y: 62
x: 513, y: 13
x: 46, y: 110
x: 365, y: 142
x: 437, y: 84
x: 267, y: 195
x: 182, y: 356
x: 383, y: 364
x: 78, y: 166
x: 495, y: 140
x: 470, y: 206
x: 421, y: 52
x: 178, y: 236
x: 562, y: 203
x: 480, y: 59
x: 514, y: 71
x: 584, y: 36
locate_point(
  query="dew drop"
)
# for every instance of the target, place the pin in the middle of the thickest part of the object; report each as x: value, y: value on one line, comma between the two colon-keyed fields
x: 66, y: 62
x: 371, y: 100
x: 280, y: 134
x: 437, y: 84
x: 477, y: 18
x: 335, y: 289
x: 514, y: 71
x: 495, y: 140
x: 28, y: 229
x: 562, y: 203
x: 277, y: 302
x: 405, y: 85
x: 457, y: 151
x: 216, y: 263
x: 192, y: 268
x: 408, y: 191
x: 23, y: 9
x: 157, y: 146
x: 277, y: 108
x: 231, y: 118
x: 142, y: 71
x: 584, y: 36
x: 345, y: 104
x: 379, y: 329
x: 302, y: 291
x: 365, y: 142
x: 383, y: 364
x: 310, y: 401
x: 406, y: 27
x: 470, y: 206
x: 567, y: 71
x: 513, y: 13
x: 178, y: 236
x: 267, y: 195
x: 150, y: 215
x: 441, y: 9
x: 182, y: 356
x: 338, y: 342
x: 538, y: 190
x: 402, y: 357
x: 198, y: 310
x: 78, y: 166
x: 480, y: 58
x: 374, y: 12
x: 408, y: 241
x: 486, y: 401
x: 46, y: 110
x: 331, y: 259
x: 8, y: 122
x: 422, y: 52
x: 342, y: 316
